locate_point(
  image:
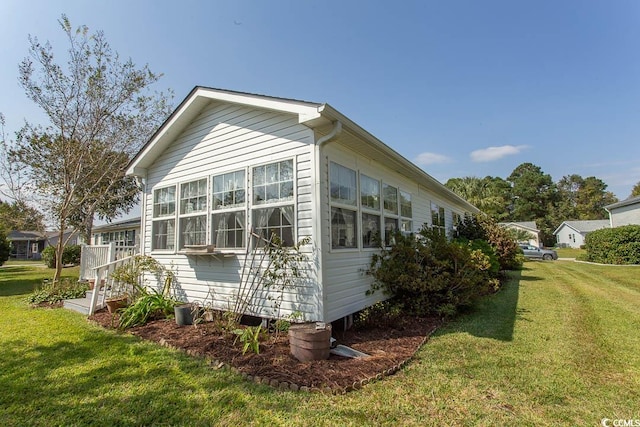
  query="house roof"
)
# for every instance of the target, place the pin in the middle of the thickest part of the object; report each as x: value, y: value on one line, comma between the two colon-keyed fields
x: 627, y: 202
x: 530, y: 225
x: 318, y: 116
x: 18, y: 235
x: 126, y: 223
x: 585, y: 226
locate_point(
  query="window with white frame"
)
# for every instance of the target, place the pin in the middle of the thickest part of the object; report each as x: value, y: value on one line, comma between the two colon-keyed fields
x: 406, y: 213
x: 437, y: 217
x: 370, y: 205
x: 273, y: 207
x: 163, y: 233
x: 193, y: 213
x: 228, y: 216
x: 390, y: 202
x: 344, y: 206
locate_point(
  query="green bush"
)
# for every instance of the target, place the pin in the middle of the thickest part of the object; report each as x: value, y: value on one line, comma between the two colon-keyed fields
x: 150, y: 305
x: 53, y: 292
x: 620, y: 245
x: 5, y: 248
x: 70, y: 255
x: 49, y: 256
x: 431, y: 275
x: 506, y: 249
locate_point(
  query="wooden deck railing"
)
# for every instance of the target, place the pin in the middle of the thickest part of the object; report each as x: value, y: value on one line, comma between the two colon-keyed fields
x: 105, y: 287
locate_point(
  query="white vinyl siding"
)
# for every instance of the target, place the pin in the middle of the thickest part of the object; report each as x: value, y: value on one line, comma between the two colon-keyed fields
x: 222, y: 140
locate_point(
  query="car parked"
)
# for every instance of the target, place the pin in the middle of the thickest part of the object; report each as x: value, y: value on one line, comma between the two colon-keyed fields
x: 534, y: 252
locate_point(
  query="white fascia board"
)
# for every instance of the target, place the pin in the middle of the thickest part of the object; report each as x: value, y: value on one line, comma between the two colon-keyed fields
x: 332, y: 114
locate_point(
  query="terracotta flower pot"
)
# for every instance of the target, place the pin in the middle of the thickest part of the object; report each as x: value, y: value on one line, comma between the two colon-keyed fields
x: 114, y: 304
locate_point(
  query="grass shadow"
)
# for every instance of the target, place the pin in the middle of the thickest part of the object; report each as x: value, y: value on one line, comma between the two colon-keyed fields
x: 493, y: 316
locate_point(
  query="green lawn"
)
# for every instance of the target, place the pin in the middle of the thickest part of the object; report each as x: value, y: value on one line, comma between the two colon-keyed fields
x: 569, y: 252
x: 559, y: 345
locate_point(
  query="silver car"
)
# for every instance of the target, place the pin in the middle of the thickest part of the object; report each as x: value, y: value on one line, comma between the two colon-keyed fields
x: 534, y: 252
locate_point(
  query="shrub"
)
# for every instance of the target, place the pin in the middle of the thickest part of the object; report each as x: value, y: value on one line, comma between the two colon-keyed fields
x: 475, y: 227
x: 620, y: 245
x: 381, y: 314
x: 49, y: 256
x: 53, y: 292
x: 431, y: 275
x: 5, y: 248
x: 70, y: 255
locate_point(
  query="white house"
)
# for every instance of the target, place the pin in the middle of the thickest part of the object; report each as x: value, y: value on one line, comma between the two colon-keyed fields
x: 626, y: 212
x: 528, y: 228
x: 226, y: 163
x: 572, y: 233
x: 124, y: 233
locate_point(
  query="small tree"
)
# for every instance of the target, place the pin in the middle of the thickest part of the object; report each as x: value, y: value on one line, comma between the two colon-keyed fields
x: 100, y: 113
x: 5, y: 247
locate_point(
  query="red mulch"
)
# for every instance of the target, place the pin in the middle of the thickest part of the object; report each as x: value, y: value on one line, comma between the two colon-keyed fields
x: 389, y: 347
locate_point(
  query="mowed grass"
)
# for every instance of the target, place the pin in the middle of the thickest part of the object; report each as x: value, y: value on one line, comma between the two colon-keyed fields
x: 569, y: 252
x: 559, y: 345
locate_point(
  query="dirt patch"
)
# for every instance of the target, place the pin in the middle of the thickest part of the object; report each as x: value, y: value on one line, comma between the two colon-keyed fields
x: 390, y: 348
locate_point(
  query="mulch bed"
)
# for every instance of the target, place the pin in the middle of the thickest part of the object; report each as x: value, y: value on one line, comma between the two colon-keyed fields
x: 390, y: 349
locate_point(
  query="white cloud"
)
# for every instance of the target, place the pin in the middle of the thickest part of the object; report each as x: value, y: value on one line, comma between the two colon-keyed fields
x: 490, y: 154
x: 424, y: 159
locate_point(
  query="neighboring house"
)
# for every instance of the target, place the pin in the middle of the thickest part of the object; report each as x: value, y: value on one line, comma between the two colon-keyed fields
x: 572, y: 233
x: 525, y: 228
x: 123, y: 233
x: 626, y: 212
x: 30, y: 244
x: 228, y: 164
x: 26, y: 244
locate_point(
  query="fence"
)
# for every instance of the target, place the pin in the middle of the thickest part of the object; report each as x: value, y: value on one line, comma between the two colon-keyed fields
x: 97, y: 255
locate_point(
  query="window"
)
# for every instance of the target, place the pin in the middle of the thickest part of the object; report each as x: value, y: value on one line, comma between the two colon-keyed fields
x: 437, y: 217
x: 390, y: 227
x: 273, y: 185
x: 120, y: 238
x: 229, y: 213
x: 343, y: 184
x: 228, y: 190
x: 163, y: 228
x: 390, y: 197
x: 406, y: 213
x: 343, y: 228
x: 193, y: 213
x: 344, y: 211
x: 370, y: 230
x: 369, y: 193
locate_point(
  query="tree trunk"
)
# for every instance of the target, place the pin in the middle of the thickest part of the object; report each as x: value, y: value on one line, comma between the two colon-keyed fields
x: 59, y: 251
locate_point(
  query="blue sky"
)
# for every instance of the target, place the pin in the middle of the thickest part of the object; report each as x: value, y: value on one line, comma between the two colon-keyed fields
x: 462, y: 88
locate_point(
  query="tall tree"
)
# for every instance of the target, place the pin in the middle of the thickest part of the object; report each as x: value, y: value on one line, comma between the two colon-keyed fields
x: 19, y: 216
x: 100, y: 110
x: 489, y: 194
x: 636, y: 190
x: 582, y: 198
x: 534, y: 196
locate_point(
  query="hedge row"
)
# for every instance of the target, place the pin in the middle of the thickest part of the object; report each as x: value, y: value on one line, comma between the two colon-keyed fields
x: 620, y: 245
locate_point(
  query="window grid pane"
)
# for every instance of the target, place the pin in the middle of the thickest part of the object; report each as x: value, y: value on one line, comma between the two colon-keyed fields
x: 369, y: 192
x: 229, y: 190
x: 163, y: 234
x: 370, y: 230
x: 271, y: 221
x: 390, y: 199
x: 164, y: 202
x: 343, y: 228
x: 342, y: 184
x: 228, y: 229
x: 193, y: 231
x: 193, y: 196
x: 405, y: 205
x: 273, y: 183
